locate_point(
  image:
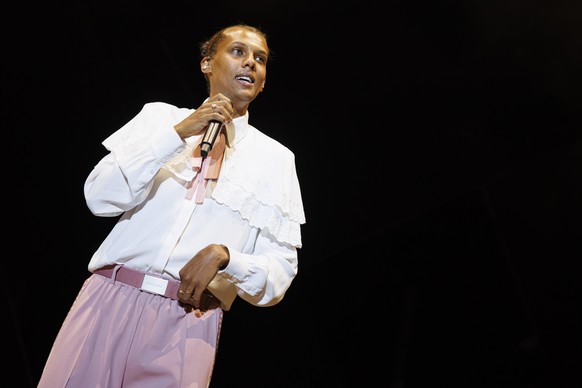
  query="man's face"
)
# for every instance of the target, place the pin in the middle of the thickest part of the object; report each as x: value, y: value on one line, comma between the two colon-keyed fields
x: 239, y: 67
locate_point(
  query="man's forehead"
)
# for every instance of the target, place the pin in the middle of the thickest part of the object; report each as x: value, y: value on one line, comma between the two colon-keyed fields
x: 247, y: 38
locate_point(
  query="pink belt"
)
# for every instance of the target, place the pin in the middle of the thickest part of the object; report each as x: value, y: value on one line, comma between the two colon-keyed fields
x: 151, y: 283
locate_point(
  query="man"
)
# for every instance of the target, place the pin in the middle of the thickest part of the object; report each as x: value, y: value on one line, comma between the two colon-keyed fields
x: 196, y: 230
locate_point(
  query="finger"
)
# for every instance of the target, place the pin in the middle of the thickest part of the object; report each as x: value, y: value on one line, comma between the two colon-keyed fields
x: 221, y: 100
x: 219, y: 113
x: 195, y: 298
x: 184, y: 295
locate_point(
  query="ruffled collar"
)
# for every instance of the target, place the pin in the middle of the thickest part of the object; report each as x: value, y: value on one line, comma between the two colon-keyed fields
x: 257, y: 180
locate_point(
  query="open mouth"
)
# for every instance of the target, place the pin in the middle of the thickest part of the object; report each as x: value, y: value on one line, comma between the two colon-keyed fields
x: 245, y: 78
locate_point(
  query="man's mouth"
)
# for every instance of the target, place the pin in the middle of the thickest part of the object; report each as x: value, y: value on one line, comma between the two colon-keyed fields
x: 245, y: 78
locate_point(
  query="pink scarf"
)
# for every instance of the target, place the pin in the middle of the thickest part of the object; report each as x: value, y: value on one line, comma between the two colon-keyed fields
x: 205, y: 168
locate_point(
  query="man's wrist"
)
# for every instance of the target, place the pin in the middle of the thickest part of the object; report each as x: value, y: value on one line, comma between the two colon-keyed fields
x: 225, y: 264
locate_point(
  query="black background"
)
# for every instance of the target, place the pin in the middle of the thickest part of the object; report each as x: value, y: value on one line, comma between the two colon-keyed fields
x: 438, y: 150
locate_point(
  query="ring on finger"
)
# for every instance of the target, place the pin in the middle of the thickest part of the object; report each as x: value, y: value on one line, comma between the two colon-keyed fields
x: 213, y: 106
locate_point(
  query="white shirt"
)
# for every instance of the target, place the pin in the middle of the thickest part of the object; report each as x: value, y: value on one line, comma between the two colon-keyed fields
x: 254, y: 208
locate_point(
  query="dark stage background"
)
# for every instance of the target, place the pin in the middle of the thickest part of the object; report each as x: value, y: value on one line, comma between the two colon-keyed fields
x: 438, y: 149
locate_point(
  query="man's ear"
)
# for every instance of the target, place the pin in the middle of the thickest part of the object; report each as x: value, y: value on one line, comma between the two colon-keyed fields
x: 205, y: 65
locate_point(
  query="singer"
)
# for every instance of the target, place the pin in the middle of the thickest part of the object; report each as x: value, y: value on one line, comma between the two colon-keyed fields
x: 198, y: 229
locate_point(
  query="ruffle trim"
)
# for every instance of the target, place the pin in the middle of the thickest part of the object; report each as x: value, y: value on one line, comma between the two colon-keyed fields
x: 270, y: 217
x: 281, y: 220
x: 276, y: 208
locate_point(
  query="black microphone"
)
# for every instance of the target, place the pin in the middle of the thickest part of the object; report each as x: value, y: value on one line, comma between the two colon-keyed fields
x: 210, y: 136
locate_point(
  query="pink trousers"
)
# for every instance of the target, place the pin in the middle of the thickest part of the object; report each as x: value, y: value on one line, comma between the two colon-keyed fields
x: 117, y: 336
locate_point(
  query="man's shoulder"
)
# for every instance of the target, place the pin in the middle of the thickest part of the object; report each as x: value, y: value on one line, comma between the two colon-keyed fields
x: 271, y: 144
x: 164, y: 106
x: 164, y: 110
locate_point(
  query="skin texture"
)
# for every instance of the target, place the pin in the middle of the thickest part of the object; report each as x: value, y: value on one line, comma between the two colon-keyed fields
x: 236, y: 71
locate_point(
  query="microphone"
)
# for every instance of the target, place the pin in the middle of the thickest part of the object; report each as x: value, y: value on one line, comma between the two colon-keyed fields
x: 210, y: 136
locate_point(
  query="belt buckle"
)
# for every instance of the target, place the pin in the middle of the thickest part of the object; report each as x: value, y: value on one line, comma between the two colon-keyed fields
x: 154, y: 284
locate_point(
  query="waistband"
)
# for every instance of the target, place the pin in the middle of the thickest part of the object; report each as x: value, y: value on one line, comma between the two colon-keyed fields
x: 151, y: 283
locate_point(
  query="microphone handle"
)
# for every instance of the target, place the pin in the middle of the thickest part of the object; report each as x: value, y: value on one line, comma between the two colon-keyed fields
x: 210, y: 137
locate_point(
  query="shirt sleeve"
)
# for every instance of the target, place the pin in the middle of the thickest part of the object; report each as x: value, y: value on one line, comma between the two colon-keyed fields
x: 122, y: 179
x: 262, y: 278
